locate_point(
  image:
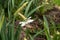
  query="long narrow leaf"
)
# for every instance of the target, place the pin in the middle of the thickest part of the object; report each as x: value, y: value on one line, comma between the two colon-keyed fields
x: 3, y: 30
x: 1, y: 22
x: 27, y: 8
x: 46, y: 27
x: 13, y: 3
x: 32, y: 11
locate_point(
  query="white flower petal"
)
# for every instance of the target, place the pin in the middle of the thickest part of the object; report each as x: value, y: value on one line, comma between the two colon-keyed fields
x: 23, y: 24
x: 26, y: 22
x: 29, y: 21
x: 29, y: 18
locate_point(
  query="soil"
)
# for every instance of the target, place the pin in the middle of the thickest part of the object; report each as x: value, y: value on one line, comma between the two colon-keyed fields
x: 54, y: 14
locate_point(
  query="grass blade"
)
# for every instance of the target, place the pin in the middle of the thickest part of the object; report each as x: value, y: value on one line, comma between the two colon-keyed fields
x: 17, y: 34
x: 1, y: 22
x: 3, y: 30
x: 38, y: 33
x: 22, y: 3
x: 20, y: 8
x: 12, y: 3
x: 33, y: 10
x: 31, y: 38
x: 27, y: 8
x: 46, y: 27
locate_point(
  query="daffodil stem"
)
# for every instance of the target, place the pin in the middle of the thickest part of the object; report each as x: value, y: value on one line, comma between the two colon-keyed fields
x: 22, y: 16
x: 20, y: 9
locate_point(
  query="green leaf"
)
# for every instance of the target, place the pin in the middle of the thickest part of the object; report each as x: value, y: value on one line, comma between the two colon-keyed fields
x: 27, y: 8
x: 3, y: 30
x: 18, y: 31
x: 57, y: 2
x: 46, y: 27
x: 1, y: 22
x: 33, y: 10
x: 12, y: 3
x: 21, y: 3
x: 31, y: 38
x: 38, y: 33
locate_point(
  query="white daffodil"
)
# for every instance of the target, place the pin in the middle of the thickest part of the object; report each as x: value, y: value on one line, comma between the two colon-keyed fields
x: 29, y: 20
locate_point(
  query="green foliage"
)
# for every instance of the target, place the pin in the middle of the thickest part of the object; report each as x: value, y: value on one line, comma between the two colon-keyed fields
x: 1, y: 22
x: 7, y: 18
x: 46, y: 27
x: 57, y: 2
